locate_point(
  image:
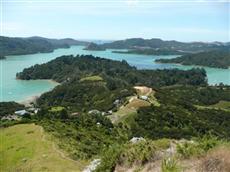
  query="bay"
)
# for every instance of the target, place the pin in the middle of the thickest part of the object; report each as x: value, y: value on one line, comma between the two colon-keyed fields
x: 19, y: 90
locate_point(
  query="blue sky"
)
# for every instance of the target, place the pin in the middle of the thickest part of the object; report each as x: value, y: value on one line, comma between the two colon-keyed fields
x: 183, y: 20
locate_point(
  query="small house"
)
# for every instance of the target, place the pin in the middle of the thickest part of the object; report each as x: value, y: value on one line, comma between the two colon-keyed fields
x: 95, y: 111
x: 144, y: 98
x: 21, y: 112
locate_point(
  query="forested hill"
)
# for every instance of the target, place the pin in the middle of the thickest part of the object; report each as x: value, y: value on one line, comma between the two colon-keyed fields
x: 160, y: 45
x: 116, y: 73
x: 219, y: 59
x: 18, y: 46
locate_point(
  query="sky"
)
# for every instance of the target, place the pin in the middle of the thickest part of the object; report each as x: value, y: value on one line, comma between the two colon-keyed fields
x: 182, y: 20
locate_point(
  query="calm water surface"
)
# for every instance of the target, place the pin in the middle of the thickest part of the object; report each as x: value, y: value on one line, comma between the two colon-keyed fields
x: 18, y: 90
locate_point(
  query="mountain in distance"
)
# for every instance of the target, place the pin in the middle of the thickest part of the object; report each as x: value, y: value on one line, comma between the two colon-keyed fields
x: 159, y: 46
x: 30, y: 45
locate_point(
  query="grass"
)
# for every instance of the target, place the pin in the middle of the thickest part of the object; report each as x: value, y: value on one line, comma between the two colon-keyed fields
x: 128, y: 110
x: 92, y: 78
x: 26, y: 147
x: 56, y: 109
x: 170, y: 165
x: 223, y: 105
x: 153, y: 100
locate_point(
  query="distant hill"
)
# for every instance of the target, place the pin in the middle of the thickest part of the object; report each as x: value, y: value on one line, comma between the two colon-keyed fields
x: 216, y: 58
x: 161, y: 47
x: 18, y: 46
x: 94, y: 47
x: 150, y: 51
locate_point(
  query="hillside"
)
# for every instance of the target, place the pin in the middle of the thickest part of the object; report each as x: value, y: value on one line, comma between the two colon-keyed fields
x: 121, y: 118
x: 26, y: 147
x: 18, y: 46
x: 161, y: 47
x: 218, y: 59
x: 94, y: 47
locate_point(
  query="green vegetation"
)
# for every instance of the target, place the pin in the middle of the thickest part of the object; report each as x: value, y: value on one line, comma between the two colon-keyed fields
x: 94, y: 47
x: 77, y: 112
x: 18, y: 46
x: 170, y: 165
x: 177, y: 116
x: 131, y: 154
x: 92, y: 78
x: 222, y: 105
x: 84, y: 96
x: 84, y: 136
x: 56, y: 109
x: 219, y: 59
x: 116, y: 74
x: 114, y: 80
x: 138, y: 153
x: 26, y: 147
x: 8, y: 108
x: 199, y: 146
x: 150, y: 51
x: 163, y: 47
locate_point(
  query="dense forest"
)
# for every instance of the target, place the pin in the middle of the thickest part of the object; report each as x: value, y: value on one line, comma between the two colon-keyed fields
x: 219, y: 59
x: 180, y: 114
x: 116, y: 74
x: 95, y: 83
x: 18, y: 46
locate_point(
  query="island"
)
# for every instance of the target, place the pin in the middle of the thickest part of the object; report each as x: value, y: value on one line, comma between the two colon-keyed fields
x: 217, y: 59
x: 150, y: 51
x: 94, y: 47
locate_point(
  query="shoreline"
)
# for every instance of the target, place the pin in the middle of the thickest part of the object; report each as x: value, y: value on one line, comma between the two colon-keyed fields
x: 29, y: 100
x: 33, y: 98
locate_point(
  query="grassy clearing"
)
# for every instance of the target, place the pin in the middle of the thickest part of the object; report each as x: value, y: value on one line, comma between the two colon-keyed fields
x: 26, y: 147
x: 153, y: 100
x: 92, y: 78
x: 57, y: 109
x: 222, y: 105
x: 128, y: 110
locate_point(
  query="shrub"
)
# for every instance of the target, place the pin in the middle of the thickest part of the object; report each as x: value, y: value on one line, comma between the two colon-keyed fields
x: 170, y: 165
x: 199, y: 147
x: 138, y: 153
x: 109, y: 159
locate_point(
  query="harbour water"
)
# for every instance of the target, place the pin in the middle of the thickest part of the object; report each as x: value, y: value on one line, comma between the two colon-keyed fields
x: 19, y: 90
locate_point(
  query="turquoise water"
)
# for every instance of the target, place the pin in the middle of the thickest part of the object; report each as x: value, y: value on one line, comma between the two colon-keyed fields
x: 18, y: 90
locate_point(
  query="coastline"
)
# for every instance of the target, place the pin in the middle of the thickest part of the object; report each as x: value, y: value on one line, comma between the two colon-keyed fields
x: 33, y: 98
